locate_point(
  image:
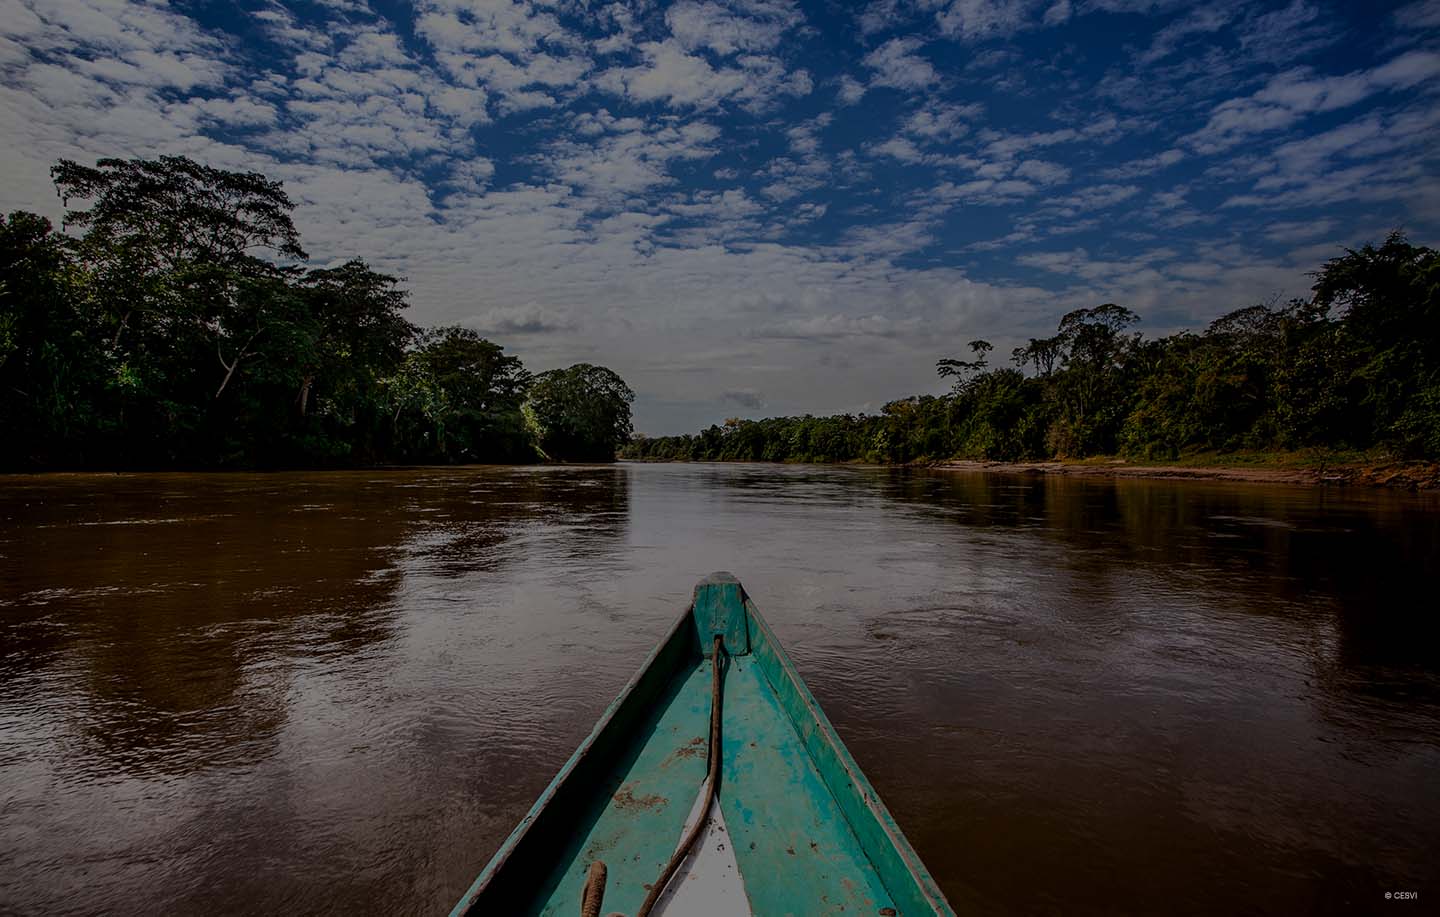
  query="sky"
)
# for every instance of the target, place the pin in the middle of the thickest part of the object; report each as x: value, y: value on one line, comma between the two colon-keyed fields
x: 760, y: 207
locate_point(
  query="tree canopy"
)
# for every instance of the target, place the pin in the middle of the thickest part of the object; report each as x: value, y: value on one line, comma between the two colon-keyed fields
x: 182, y: 327
x: 1356, y: 366
x: 580, y: 414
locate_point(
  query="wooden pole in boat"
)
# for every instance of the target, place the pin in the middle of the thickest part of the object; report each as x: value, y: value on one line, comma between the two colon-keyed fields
x: 712, y: 779
x: 594, y: 893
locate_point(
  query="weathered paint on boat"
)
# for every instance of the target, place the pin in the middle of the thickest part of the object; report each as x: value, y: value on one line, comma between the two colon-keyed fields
x: 807, y: 831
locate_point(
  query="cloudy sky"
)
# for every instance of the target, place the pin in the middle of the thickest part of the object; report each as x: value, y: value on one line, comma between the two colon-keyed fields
x: 759, y: 207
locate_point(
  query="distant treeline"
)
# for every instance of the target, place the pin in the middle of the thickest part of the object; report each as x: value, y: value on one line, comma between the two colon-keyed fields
x: 182, y: 329
x: 1356, y: 366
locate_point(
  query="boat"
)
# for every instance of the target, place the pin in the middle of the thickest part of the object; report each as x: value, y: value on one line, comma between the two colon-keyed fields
x: 713, y: 785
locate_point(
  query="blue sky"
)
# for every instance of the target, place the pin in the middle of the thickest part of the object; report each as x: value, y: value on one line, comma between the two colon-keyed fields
x: 762, y: 207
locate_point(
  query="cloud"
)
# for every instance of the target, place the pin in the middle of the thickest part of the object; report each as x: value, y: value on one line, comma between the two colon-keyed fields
x: 941, y: 121
x: 832, y: 326
x: 1279, y: 36
x: 731, y: 28
x: 1146, y: 166
x: 977, y: 20
x: 896, y: 65
x: 616, y: 183
x: 851, y: 90
x: 1203, y: 21
x: 1042, y: 172
x: 1298, y: 231
x: 608, y: 168
x: 672, y: 75
x: 982, y: 191
x: 520, y: 321
x: 1298, y: 93
x: 467, y: 26
x: 746, y: 398
x: 1424, y: 14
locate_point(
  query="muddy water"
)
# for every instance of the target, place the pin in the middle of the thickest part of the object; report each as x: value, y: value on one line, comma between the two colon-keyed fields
x: 302, y: 693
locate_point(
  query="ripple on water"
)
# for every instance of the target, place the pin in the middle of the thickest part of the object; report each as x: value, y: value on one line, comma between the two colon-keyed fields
x: 303, y: 692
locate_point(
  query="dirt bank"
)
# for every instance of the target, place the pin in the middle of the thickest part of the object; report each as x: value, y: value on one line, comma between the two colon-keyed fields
x: 1415, y: 476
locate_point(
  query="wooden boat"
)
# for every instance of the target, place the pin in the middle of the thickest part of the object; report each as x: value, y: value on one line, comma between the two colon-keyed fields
x: 713, y: 785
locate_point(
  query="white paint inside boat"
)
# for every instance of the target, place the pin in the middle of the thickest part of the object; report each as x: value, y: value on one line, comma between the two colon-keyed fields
x: 708, y: 883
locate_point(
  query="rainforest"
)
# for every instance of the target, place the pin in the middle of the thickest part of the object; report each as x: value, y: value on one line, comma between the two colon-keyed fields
x: 1354, y: 368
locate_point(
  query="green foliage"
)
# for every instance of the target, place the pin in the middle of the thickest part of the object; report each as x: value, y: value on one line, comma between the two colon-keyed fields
x: 1356, y: 367
x: 179, y: 329
x: 580, y: 414
x: 457, y: 398
x: 53, y: 374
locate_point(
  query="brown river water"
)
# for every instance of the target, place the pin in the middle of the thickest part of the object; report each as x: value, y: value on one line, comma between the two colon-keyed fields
x: 304, y: 693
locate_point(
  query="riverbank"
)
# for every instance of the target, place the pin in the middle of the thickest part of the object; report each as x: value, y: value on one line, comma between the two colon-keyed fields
x: 1259, y: 468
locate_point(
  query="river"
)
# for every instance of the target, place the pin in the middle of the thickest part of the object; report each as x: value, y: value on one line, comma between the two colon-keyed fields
x: 260, y: 693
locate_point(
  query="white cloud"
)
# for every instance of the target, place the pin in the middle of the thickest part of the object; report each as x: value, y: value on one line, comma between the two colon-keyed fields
x: 516, y: 28
x: 519, y: 321
x: 608, y: 168
x: 897, y: 66
x: 1145, y: 166
x: 1424, y: 14
x: 941, y: 122
x: 1204, y: 20
x: 1001, y: 145
x: 851, y: 90
x: 673, y: 75
x: 1094, y: 197
x: 1295, y: 31
x: 1042, y: 172
x: 981, y: 191
x: 667, y: 187
x: 726, y: 29
x: 1298, y: 93
x: 901, y: 148
x: 976, y: 20
x: 1298, y: 231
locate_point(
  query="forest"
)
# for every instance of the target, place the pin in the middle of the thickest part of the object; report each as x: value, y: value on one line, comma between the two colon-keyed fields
x: 175, y: 323
x: 1356, y: 366
x: 180, y: 327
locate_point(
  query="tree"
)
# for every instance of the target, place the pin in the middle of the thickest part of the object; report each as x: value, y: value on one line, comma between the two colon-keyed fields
x: 51, y: 371
x: 1089, y: 390
x: 458, y: 398
x: 169, y: 211
x: 964, y: 371
x: 1041, y: 352
x: 349, y: 338
x: 581, y: 413
x: 1389, y: 303
x: 174, y: 250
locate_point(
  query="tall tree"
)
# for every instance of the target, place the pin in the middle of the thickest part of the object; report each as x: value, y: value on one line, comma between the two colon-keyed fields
x: 353, y: 338
x: 1090, y: 390
x: 51, y: 371
x: 175, y: 249
x: 1388, y: 298
x: 581, y: 413
x: 458, y: 398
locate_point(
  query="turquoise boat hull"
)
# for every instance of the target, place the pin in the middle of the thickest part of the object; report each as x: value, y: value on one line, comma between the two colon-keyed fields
x: 792, y: 810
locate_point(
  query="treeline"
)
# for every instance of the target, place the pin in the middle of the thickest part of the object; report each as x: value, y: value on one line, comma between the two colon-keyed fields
x: 1356, y: 366
x: 181, y: 328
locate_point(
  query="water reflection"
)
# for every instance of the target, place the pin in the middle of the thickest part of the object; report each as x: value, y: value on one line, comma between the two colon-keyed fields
x: 163, y: 633
x: 308, y: 692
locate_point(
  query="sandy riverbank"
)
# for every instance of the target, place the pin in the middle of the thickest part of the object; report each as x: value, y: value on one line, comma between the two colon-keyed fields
x: 1402, y: 475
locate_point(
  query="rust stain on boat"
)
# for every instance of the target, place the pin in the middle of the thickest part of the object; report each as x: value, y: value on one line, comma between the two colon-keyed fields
x: 628, y: 801
x: 695, y: 748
